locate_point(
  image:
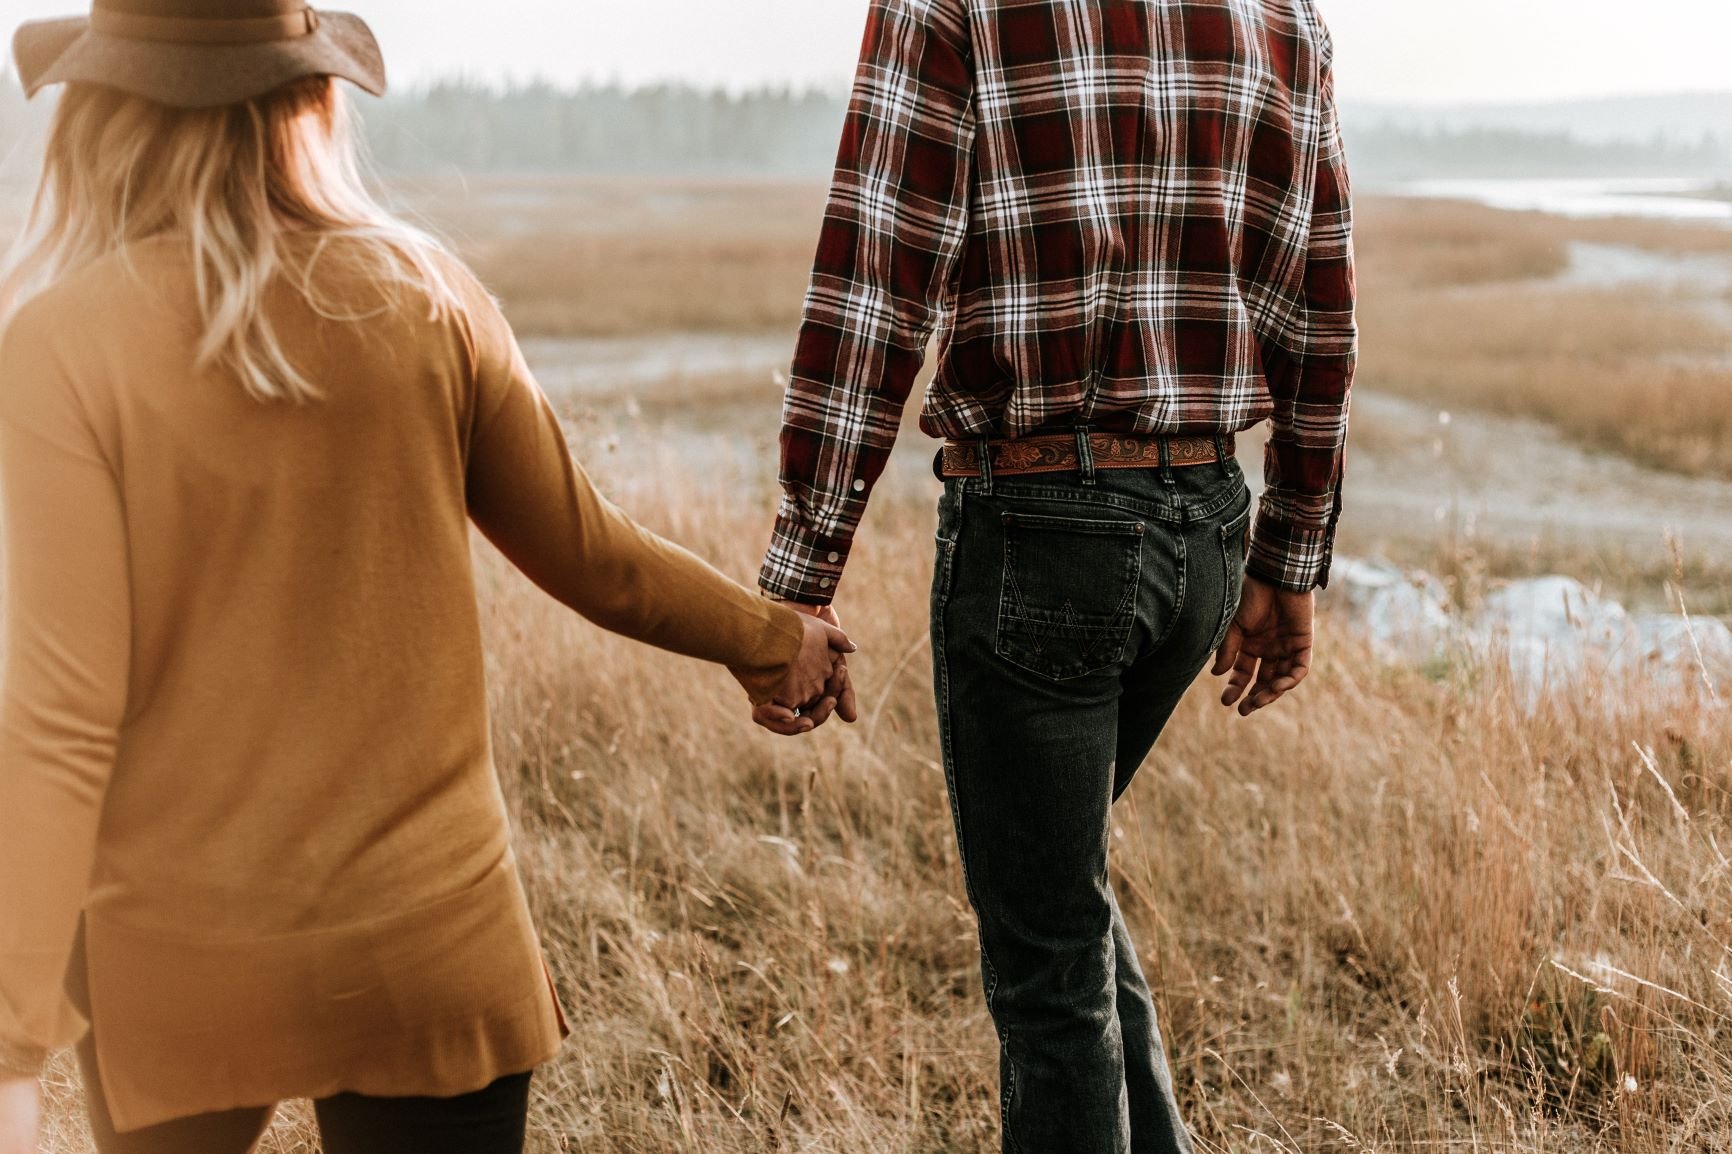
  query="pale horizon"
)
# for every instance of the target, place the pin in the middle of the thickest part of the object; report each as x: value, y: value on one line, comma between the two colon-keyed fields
x: 1478, y: 52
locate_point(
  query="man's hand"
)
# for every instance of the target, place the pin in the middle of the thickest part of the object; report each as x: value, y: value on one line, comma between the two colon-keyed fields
x: 1268, y: 646
x: 793, y: 717
x: 815, y: 685
x: 20, y: 1116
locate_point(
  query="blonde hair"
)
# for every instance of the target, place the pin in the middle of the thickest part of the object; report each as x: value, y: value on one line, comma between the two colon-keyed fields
x: 239, y: 183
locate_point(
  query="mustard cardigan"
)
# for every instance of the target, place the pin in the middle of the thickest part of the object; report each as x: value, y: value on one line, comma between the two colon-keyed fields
x: 244, y: 730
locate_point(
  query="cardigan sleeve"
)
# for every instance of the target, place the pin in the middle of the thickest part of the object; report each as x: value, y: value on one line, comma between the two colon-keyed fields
x: 68, y: 633
x: 538, y: 506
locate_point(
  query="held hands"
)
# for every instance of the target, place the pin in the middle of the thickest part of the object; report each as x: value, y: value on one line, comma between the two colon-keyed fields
x: 1268, y: 648
x: 818, y: 685
x: 20, y: 1115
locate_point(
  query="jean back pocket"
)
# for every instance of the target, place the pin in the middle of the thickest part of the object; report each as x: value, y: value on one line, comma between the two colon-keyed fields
x: 1069, y: 598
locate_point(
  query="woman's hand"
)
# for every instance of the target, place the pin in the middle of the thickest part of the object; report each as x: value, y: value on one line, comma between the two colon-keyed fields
x: 20, y: 1116
x: 815, y: 684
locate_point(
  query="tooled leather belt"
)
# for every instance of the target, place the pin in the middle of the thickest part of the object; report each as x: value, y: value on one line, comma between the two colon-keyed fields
x: 1061, y: 453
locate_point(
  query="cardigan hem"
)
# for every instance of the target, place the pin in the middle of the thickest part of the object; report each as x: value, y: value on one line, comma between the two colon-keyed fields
x: 438, y: 1001
x: 21, y: 1062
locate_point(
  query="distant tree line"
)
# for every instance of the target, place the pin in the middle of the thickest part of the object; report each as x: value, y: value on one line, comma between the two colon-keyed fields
x: 674, y: 130
x: 668, y: 129
x: 1386, y: 153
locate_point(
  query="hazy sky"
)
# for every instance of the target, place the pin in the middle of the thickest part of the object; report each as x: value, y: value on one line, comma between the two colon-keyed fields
x: 1391, y: 50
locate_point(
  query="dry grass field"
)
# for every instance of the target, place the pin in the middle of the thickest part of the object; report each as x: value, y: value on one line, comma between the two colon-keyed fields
x: 1451, y: 317
x: 1399, y: 913
x: 612, y: 258
x: 1464, y: 308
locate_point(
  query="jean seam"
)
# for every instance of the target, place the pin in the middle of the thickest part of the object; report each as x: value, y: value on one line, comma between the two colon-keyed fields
x: 1179, y: 595
x: 941, y: 665
x: 1230, y: 601
x: 1008, y: 1091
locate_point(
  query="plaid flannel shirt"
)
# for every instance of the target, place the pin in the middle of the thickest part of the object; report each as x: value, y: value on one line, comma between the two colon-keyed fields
x: 1123, y: 215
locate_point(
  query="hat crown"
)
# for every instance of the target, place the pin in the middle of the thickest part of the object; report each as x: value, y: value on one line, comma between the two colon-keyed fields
x: 201, y: 9
x: 197, y: 53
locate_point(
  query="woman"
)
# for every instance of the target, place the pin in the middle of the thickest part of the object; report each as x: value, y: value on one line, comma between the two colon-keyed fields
x: 247, y: 807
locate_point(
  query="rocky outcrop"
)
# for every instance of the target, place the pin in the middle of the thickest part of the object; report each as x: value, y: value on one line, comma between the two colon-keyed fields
x: 1550, y: 631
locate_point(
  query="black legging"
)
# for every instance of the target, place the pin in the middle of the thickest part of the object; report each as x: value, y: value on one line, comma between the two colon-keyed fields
x: 490, y: 1121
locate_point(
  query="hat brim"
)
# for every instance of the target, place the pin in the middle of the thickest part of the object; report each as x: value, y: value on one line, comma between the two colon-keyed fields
x: 52, y: 52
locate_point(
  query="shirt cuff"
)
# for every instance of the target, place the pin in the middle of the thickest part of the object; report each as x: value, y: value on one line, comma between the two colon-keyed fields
x: 803, y: 566
x: 18, y: 1062
x: 1290, y: 555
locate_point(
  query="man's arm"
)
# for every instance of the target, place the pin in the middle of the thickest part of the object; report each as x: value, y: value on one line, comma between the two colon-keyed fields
x: 1310, y: 372
x: 897, y: 218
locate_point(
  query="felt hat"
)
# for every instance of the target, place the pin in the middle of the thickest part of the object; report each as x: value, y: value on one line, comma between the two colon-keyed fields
x: 198, y: 53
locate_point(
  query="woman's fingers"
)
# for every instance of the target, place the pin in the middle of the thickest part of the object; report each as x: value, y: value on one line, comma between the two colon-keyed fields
x: 817, y: 686
x: 782, y: 720
x: 812, y: 669
x: 841, y: 686
x: 847, y: 705
x: 788, y: 722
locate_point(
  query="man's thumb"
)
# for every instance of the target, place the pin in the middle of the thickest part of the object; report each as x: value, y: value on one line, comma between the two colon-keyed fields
x: 839, y: 640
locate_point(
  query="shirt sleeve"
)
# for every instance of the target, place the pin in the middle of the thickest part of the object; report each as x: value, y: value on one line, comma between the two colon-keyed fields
x: 1310, y: 373
x: 896, y: 221
x: 538, y: 506
x: 68, y: 637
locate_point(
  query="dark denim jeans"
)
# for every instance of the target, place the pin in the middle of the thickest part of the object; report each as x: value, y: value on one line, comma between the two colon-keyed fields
x: 1068, y: 620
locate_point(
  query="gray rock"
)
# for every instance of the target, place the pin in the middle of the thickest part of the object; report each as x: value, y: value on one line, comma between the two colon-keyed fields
x: 1550, y: 632
x: 1404, y: 615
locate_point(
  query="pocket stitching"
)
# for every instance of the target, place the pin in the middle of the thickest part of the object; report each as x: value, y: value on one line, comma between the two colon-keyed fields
x: 1119, y: 625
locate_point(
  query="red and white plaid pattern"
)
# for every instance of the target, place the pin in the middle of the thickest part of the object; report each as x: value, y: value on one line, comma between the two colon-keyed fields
x: 1128, y: 215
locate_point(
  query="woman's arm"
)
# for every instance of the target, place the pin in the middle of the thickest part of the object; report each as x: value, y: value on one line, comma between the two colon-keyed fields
x: 68, y: 643
x: 540, y: 508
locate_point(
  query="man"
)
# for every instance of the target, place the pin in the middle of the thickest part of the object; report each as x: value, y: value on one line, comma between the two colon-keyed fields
x: 1127, y: 224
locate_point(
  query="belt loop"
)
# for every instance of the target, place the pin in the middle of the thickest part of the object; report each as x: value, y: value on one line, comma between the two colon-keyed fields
x: 986, y: 466
x: 1221, y: 455
x: 1165, y: 445
x: 1085, y: 456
